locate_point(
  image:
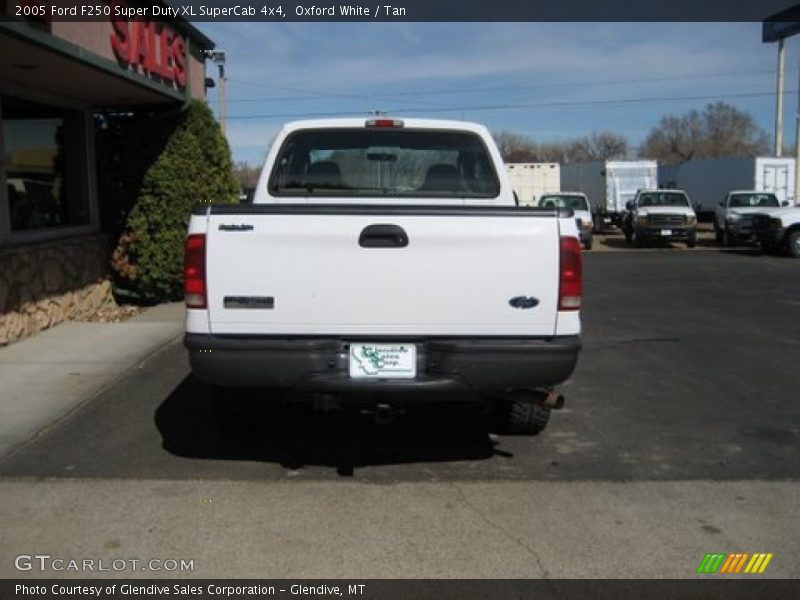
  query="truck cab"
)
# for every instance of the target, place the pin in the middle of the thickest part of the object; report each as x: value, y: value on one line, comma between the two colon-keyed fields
x: 660, y: 214
x: 578, y: 203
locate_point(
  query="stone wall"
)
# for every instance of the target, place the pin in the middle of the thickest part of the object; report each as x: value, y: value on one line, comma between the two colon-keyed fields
x: 45, y: 283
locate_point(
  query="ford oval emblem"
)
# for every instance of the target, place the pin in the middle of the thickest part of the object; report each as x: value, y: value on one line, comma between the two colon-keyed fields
x: 523, y: 301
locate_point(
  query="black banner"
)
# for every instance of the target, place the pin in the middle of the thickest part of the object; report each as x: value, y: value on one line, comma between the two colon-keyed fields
x: 455, y: 589
x: 399, y: 10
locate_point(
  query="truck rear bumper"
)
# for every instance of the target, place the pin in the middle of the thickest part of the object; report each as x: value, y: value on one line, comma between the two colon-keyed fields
x: 443, y: 365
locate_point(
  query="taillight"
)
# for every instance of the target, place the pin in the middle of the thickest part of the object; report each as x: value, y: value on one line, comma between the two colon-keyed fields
x: 570, y: 274
x: 194, y: 271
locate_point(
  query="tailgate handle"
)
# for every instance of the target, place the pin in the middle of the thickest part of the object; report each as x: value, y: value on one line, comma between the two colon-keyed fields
x: 383, y: 236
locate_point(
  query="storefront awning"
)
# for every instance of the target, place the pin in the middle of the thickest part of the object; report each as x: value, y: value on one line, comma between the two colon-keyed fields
x: 38, y: 61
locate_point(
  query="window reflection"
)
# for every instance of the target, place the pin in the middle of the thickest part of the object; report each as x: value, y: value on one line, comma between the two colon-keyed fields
x: 45, y: 165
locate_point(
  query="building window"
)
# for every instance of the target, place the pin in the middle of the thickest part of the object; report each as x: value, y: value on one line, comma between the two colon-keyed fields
x: 45, y: 164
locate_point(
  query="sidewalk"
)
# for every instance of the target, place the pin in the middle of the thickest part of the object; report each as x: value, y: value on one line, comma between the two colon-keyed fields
x: 44, y: 377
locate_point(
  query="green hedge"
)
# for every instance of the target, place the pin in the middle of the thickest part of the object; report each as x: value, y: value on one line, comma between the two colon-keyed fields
x: 193, y: 167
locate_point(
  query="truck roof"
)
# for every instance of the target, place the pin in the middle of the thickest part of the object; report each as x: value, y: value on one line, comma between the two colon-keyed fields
x: 613, y: 164
x: 751, y: 192
x: 412, y: 123
x: 564, y: 193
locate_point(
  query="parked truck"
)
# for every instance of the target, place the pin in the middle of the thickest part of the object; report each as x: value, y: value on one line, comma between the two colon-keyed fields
x: 733, y: 218
x: 610, y: 185
x: 530, y: 180
x: 778, y: 230
x: 660, y: 215
x: 384, y: 263
x: 708, y: 181
x: 578, y: 203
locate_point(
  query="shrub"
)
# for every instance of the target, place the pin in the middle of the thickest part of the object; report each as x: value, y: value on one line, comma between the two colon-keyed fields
x: 193, y: 167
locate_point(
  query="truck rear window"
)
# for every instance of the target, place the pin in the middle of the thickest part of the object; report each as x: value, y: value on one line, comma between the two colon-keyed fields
x: 564, y: 201
x: 384, y: 162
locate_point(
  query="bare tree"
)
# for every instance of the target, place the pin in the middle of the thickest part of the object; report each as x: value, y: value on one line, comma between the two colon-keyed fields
x: 731, y: 132
x: 515, y: 147
x: 554, y: 152
x: 720, y: 130
x: 607, y: 145
x: 603, y: 145
x: 675, y: 139
x: 245, y: 175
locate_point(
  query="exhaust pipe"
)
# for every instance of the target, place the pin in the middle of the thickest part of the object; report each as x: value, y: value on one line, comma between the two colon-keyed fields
x: 545, y: 398
x: 553, y: 400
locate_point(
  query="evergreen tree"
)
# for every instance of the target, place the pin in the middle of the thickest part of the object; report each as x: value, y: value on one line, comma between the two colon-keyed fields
x: 194, y: 167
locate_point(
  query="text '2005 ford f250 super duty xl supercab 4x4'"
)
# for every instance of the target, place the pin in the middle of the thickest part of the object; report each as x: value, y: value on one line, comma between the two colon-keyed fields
x: 384, y: 263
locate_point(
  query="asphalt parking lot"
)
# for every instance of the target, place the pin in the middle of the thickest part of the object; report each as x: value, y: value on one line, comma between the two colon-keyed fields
x: 679, y: 438
x: 689, y: 371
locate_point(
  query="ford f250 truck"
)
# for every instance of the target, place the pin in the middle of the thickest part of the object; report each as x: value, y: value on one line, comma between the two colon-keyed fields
x: 384, y: 263
x: 660, y: 215
x: 733, y: 219
x: 778, y: 230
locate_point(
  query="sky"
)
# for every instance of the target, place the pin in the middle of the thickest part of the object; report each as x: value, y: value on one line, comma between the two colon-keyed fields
x: 548, y: 81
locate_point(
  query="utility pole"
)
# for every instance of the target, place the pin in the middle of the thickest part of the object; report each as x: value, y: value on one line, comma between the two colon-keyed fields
x: 797, y: 145
x: 777, y: 28
x: 779, y: 103
x: 218, y: 57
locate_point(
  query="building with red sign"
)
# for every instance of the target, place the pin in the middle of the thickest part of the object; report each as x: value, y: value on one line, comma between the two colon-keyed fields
x: 55, y: 79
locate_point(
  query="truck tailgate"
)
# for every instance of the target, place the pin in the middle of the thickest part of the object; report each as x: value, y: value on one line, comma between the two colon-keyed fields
x: 309, y: 270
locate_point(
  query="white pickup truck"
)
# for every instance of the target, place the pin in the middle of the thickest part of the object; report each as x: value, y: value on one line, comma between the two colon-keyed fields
x: 660, y: 215
x: 733, y: 218
x: 578, y: 203
x: 778, y: 230
x: 384, y: 263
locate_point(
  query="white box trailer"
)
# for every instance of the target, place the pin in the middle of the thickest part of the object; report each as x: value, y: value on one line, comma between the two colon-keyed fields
x: 531, y: 180
x: 707, y: 180
x: 609, y: 184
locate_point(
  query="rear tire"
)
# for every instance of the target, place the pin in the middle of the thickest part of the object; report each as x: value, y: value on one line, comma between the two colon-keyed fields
x: 793, y: 244
x: 518, y: 417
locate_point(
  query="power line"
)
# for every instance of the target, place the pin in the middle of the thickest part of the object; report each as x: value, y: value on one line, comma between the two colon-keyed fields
x: 272, y: 86
x: 559, y: 104
x: 316, y: 95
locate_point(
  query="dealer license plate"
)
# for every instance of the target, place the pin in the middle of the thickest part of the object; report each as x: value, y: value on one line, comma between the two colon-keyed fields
x: 666, y: 232
x: 383, y: 361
